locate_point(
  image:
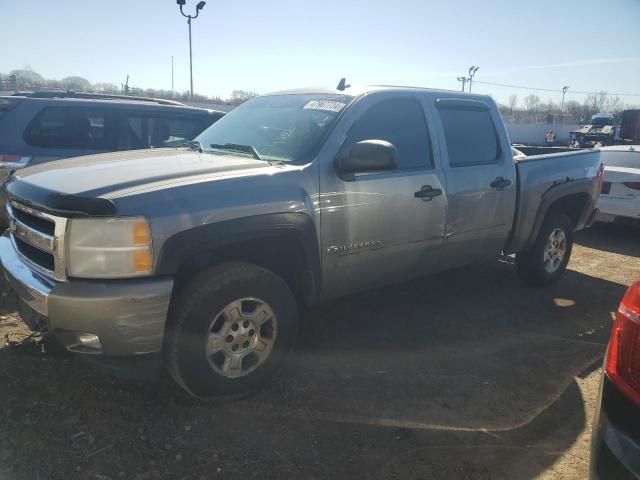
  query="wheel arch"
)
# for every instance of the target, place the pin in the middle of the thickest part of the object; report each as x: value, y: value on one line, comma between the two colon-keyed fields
x: 285, y: 243
x: 573, y: 199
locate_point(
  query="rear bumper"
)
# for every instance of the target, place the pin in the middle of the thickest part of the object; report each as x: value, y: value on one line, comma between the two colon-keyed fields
x: 615, y: 451
x: 612, y: 208
x: 128, y: 317
x: 615, y: 455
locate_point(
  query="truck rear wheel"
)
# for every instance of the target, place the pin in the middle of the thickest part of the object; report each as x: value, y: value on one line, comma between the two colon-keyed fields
x: 230, y: 330
x: 547, y: 259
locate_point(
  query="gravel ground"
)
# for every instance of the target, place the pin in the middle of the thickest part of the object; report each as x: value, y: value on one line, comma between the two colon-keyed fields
x: 468, y: 375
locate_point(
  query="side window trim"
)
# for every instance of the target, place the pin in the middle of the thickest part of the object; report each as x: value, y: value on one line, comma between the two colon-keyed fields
x: 461, y: 104
x: 427, y: 130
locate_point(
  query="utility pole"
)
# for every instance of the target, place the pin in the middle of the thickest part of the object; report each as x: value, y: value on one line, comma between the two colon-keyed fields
x: 472, y: 71
x: 190, y: 62
x: 199, y: 7
x: 463, y: 80
x: 173, y: 93
x: 564, y: 91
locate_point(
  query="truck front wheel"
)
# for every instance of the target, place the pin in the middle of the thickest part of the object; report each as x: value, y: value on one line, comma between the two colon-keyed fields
x: 547, y: 259
x: 230, y: 330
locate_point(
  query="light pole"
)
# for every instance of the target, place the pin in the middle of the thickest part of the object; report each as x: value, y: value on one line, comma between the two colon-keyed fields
x: 199, y: 7
x: 463, y: 80
x: 564, y: 91
x: 472, y: 72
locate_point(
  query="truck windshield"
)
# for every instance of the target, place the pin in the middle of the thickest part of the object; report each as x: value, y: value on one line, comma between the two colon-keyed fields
x: 279, y: 127
x: 601, y: 120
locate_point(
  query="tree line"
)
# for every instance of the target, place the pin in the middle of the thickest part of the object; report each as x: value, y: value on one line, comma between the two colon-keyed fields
x: 27, y: 79
x: 534, y: 110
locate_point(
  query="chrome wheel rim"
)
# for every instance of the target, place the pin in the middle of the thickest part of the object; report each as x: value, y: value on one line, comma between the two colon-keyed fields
x: 241, y: 337
x: 555, y: 250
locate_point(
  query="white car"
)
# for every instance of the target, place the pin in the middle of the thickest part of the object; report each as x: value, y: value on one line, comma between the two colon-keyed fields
x: 620, y: 196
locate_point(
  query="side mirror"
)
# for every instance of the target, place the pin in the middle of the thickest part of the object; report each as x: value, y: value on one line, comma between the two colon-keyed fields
x: 367, y: 156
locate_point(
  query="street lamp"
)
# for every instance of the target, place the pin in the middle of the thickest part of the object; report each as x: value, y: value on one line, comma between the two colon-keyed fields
x: 564, y: 91
x: 199, y: 7
x: 472, y: 72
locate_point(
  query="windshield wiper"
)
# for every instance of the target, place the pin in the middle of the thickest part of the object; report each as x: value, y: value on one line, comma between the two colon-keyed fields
x: 236, y: 147
x: 193, y: 145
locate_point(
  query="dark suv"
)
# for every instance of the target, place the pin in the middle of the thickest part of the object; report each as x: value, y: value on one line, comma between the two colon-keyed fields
x: 44, y: 126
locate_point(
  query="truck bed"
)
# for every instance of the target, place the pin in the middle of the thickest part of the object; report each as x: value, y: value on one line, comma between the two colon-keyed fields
x: 539, y: 183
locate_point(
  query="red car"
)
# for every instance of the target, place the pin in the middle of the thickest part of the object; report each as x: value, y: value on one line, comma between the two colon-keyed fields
x: 615, y: 452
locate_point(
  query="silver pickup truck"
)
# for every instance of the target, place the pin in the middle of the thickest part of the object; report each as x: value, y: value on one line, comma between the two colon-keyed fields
x: 207, y: 254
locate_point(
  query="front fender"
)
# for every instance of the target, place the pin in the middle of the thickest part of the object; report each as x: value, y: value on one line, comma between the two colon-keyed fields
x: 201, y: 240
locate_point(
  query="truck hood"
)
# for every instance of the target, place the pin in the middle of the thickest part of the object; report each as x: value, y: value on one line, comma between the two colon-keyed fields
x: 107, y: 174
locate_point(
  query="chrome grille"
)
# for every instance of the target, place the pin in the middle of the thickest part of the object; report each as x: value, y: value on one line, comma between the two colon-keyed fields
x: 39, y: 239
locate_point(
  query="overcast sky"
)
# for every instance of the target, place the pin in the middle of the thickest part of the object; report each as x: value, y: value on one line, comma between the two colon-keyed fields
x: 275, y: 44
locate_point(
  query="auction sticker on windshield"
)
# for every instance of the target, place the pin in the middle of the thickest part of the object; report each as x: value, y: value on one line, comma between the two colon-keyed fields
x: 326, y: 105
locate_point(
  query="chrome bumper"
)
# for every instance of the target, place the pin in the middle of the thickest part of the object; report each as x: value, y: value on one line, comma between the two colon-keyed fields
x: 127, y: 316
x: 32, y: 288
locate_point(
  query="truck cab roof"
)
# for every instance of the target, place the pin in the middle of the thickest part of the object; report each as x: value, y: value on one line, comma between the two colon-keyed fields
x: 602, y: 119
x: 360, y: 90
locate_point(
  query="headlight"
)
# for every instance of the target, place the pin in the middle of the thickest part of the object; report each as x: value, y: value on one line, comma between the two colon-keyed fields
x: 109, y: 248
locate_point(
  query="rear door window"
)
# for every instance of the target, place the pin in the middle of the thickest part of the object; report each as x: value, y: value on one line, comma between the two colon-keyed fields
x: 145, y: 130
x: 470, y: 135
x: 73, y: 127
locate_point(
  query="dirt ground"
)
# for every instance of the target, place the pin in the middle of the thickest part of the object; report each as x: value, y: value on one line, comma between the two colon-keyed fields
x: 467, y: 375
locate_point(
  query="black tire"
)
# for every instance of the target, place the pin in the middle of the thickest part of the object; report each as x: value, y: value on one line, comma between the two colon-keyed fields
x: 197, y: 305
x: 530, y: 264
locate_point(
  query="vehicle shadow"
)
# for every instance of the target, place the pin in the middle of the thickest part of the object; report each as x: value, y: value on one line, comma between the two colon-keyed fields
x: 469, y: 374
x: 611, y: 237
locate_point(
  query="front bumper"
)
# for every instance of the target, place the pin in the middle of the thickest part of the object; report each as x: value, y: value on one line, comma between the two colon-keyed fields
x: 128, y: 317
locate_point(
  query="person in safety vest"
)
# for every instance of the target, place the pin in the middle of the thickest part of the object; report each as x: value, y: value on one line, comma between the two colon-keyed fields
x: 549, y: 138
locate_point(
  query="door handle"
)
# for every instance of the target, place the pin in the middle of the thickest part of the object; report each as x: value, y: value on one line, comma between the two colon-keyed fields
x: 500, y: 183
x: 427, y: 192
